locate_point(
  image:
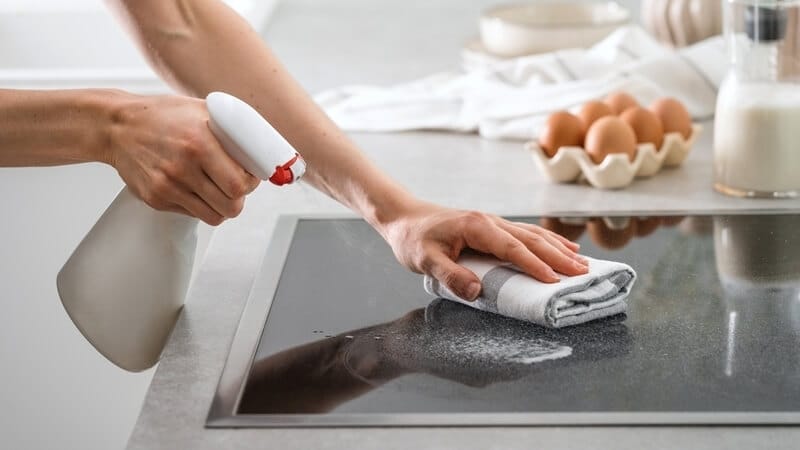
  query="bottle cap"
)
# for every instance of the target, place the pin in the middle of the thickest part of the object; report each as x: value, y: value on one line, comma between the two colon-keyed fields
x: 765, y: 24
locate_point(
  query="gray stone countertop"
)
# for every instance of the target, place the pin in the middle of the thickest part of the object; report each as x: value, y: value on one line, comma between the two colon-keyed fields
x: 326, y: 44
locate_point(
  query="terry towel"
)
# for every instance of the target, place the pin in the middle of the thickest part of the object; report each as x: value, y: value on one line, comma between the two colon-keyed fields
x: 573, y: 300
x: 511, y: 99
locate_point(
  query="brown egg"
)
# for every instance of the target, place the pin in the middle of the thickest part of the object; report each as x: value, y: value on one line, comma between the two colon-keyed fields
x: 674, y: 116
x: 608, y: 238
x: 610, y: 135
x: 591, y: 111
x: 645, y: 124
x: 569, y: 231
x: 561, y: 129
x: 620, y: 101
x: 645, y: 226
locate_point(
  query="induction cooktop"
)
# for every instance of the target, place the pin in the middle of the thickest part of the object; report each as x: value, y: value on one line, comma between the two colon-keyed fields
x: 336, y: 333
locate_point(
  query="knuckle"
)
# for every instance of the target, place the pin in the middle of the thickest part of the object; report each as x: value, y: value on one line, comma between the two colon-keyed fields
x: 252, y: 184
x: 513, y: 246
x: 236, y: 207
x: 238, y: 187
x: 214, y: 220
x: 475, y: 219
x: 426, y: 264
x: 159, y: 186
x: 154, y: 201
x: 192, y: 147
x: 174, y: 170
x: 475, y: 216
x: 148, y: 198
x: 158, y: 206
x: 535, y: 238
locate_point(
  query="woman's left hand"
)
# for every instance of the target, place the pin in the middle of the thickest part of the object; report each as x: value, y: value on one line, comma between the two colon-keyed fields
x: 429, y: 238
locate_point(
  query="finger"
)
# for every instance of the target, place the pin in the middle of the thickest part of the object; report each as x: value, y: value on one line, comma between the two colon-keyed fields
x: 556, y: 239
x: 569, y: 244
x: 561, y: 246
x: 496, y: 241
x: 196, y: 207
x: 226, y: 173
x: 252, y: 182
x: 461, y: 281
x: 537, y: 229
x: 555, y: 242
x: 514, y: 229
x: 207, y: 190
x: 549, y: 254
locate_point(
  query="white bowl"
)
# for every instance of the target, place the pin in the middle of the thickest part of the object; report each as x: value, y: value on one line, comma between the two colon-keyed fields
x: 514, y: 30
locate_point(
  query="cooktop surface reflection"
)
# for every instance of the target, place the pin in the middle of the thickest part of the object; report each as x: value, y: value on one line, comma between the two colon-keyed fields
x: 336, y: 332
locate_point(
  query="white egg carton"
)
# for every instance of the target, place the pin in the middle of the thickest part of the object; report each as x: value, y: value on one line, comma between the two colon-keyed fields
x: 571, y: 164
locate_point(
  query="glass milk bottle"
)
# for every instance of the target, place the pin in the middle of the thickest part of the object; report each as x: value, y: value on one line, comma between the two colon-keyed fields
x: 757, y: 129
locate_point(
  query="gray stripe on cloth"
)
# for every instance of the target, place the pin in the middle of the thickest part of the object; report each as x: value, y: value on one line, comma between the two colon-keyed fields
x: 621, y: 280
x: 613, y: 310
x: 492, y: 282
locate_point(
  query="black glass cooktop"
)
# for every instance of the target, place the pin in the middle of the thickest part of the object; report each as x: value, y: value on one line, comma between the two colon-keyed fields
x: 711, y: 335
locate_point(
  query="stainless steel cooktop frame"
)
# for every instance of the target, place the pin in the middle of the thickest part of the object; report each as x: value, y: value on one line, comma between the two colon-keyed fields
x: 254, y: 316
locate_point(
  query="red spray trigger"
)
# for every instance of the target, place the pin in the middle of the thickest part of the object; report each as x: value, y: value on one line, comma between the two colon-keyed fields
x: 283, y: 174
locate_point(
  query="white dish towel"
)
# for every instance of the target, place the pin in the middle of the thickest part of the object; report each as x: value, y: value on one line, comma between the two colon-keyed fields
x: 573, y: 300
x: 511, y: 99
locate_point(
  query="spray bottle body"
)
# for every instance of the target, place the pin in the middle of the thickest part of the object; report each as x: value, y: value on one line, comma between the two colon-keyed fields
x: 125, y: 284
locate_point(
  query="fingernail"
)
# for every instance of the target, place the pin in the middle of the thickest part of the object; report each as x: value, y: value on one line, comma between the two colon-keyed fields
x: 473, y: 290
x: 553, y: 276
x: 583, y: 260
x: 582, y: 267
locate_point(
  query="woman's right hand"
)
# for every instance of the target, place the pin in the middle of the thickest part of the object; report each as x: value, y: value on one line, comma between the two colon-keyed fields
x: 165, y: 152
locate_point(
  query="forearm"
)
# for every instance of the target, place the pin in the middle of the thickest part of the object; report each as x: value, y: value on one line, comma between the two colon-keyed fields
x: 203, y: 46
x: 41, y: 128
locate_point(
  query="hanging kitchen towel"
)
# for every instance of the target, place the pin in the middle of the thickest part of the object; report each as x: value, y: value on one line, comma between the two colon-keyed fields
x: 573, y: 300
x: 511, y: 99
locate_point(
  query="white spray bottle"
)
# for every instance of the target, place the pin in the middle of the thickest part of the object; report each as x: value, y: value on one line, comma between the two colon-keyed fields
x: 125, y: 284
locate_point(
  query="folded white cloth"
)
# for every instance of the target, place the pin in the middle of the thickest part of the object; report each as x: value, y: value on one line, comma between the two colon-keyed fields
x: 511, y: 99
x: 571, y: 301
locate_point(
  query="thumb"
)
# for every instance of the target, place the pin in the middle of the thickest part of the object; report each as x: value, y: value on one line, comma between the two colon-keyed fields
x: 460, y: 280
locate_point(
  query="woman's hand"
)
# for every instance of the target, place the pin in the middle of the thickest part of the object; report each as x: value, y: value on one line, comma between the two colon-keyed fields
x: 429, y: 239
x: 164, y: 151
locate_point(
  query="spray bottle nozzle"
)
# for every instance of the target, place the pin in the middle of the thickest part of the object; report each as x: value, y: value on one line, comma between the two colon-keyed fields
x: 289, y: 172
